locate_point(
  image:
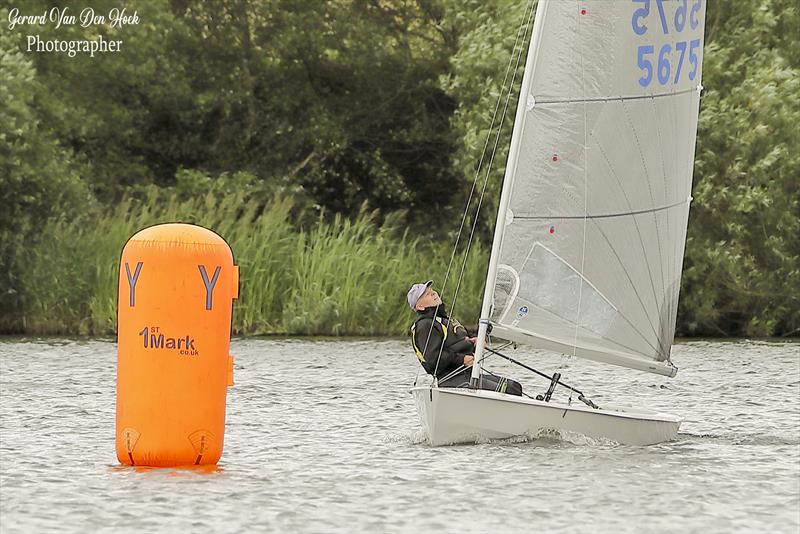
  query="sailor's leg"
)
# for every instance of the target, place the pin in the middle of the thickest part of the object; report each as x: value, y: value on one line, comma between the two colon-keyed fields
x: 500, y: 383
x: 459, y: 380
x: 487, y: 381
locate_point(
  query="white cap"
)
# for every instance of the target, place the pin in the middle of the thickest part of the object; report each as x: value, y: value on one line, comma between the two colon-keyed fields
x: 416, y: 292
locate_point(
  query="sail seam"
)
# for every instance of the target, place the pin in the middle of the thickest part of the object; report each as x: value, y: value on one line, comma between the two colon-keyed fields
x: 639, y: 234
x: 635, y: 291
x: 655, y: 222
x: 665, y: 343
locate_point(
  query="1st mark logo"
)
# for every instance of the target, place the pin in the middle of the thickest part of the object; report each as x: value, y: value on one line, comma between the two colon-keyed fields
x: 153, y: 338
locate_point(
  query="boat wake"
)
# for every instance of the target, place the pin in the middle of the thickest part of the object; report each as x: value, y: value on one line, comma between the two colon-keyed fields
x: 551, y: 437
x: 414, y: 438
x: 740, y: 439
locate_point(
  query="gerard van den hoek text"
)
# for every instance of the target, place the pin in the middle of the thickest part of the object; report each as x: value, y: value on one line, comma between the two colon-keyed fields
x: 58, y: 17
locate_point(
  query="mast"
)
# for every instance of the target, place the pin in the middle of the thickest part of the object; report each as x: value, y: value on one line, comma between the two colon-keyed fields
x: 508, y: 179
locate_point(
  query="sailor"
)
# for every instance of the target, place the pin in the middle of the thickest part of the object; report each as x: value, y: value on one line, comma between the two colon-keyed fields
x: 444, y: 347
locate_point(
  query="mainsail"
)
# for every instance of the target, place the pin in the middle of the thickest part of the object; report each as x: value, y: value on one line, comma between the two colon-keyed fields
x: 592, y: 225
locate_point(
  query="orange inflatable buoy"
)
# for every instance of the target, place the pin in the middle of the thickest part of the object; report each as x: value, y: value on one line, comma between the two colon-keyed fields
x: 176, y: 287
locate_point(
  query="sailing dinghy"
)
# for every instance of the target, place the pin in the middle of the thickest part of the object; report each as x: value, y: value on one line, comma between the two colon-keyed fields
x: 589, y: 240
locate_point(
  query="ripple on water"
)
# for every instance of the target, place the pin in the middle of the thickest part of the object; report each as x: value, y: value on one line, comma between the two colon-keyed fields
x: 322, y: 436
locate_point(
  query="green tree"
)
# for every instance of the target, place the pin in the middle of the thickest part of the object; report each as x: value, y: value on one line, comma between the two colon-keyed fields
x: 338, y: 101
x: 491, y: 36
x: 132, y: 117
x: 38, y: 178
x: 742, y: 266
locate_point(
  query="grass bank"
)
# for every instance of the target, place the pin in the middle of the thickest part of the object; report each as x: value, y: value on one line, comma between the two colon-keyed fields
x: 330, y: 277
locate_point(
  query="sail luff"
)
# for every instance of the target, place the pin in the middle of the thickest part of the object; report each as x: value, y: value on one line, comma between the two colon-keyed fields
x: 508, y: 178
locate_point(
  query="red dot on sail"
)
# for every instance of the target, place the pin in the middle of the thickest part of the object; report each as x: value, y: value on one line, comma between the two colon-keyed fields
x: 583, y: 11
x: 552, y: 229
x: 555, y: 157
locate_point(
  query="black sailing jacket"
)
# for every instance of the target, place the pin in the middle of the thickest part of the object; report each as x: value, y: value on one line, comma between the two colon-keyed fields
x: 434, y: 320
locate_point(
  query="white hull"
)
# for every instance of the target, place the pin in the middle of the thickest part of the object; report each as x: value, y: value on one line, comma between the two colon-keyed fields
x: 461, y: 415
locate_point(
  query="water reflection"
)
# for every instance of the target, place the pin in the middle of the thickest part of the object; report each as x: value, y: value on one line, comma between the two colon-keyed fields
x: 176, y: 471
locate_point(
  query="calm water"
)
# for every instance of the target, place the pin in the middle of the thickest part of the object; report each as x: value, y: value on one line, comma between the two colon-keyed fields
x: 322, y: 436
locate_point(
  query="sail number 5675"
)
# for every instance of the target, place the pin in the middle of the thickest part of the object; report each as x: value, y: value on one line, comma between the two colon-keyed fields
x: 682, y: 12
x: 660, y: 66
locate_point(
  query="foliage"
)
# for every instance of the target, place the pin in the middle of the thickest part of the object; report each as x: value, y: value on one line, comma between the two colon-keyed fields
x: 337, y: 100
x: 493, y: 39
x: 38, y: 178
x: 339, y: 277
x: 310, y: 133
x: 742, y: 266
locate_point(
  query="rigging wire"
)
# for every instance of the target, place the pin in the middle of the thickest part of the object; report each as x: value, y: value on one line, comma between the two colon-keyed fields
x: 474, y: 183
x: 523, y: 31
x: 454, y: 372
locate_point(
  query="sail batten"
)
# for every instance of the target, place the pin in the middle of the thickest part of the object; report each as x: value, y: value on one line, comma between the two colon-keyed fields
x: 613, y: 98
x: 599, y: 216
x: 597, y: 195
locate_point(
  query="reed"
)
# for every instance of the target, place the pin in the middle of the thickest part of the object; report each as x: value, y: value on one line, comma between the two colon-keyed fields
x: 334, y: 276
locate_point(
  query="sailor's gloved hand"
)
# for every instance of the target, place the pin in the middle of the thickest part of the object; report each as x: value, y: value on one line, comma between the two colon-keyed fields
x: 472, y: 340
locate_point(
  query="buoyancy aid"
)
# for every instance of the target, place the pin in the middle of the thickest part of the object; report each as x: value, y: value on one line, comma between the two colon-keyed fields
x: 437, y: 337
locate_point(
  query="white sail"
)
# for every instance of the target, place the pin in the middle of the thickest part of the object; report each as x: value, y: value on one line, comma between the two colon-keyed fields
x: 597, y: 194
